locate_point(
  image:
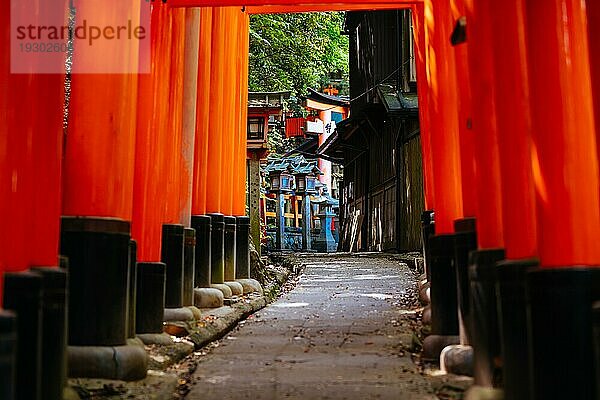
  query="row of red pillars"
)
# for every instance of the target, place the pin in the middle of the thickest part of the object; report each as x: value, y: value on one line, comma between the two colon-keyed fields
x: 145, y: 148
x: 508, y: 125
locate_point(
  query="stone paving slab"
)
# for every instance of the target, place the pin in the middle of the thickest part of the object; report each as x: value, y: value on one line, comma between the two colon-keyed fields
x: 340, y: 334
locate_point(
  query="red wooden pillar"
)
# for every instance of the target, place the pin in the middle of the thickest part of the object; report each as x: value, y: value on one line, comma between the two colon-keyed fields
x: 229, y: 114
x: 593, y: 14
x: 31, y: 111
x: 443, y: 108
x: 462, y: 53
x: 202, y: 114
x: 513, y: 126
x: 152, y: 141
x: 214, y: 201
x: 98, y: 180
x: 190, y: 96
x: 565, y: 175
x: 421, y: 44
x: 513, y: 122
x: 565, y: 162
x: 176, y: 168
x: 239, y: 200
x: 99, y: 157
x: 481, y: 71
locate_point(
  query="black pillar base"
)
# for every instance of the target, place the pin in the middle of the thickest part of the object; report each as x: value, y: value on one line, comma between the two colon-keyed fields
x: 468, y: 224
x: 427, y: 230
x: 217, y: 249
x: 150, y: 297
x: 512, y: 308
x: 8, y: 354
x: 54, y: 331
x: 132, y: 278
x: 189, y: 265
x: 23, y: 295
x: 464, y: 243
x: 172, y: 256
x: 98, y: 253
x: 242, y: 248
x: 202, y: 225
x: 560, y: 327
x: 596, y: 322
x: 229, y: 248
x: 444, y: 309
x: 485, y: 336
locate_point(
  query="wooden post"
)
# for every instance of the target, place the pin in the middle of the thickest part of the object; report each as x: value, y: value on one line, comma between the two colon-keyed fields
x: 30, y: 150
x: 152, y: 142
x: 565, y: 175
x: 214, y: 201
x: 241, y: 158
x: 229, y: 114
x: 467, y: 135
x: 483, y: 85
x: 513, y: 123
x: 593, y: 15
x: 565, y: 162
x: 200, y: 179
x: 190, y: 95
x: 443, y: 107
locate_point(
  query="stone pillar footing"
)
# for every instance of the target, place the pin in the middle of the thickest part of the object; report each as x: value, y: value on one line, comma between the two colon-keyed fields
x: 223, y: 288
x: 477, y: 392
x: 208, y: 298
x: 195, y: 312
x: 424, y: 293
x: 163, y: 339
x: 236, y: 288
x: 124, y: 363
x: 434, y: 344
x: 427, y: 315
x: 250, y: 286
x: 178, y: 314
x: 457, y: 360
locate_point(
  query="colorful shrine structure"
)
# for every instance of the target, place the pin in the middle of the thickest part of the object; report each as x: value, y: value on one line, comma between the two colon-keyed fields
x: 265, y: 110
x: 145, y: 156
x: 294, y: 188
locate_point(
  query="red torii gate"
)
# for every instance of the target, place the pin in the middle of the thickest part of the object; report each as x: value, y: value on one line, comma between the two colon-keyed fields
x: 518, y: 128
x: 559, y: 197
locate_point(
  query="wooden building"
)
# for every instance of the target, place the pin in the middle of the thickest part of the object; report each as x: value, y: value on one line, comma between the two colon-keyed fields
x: 379, y: 145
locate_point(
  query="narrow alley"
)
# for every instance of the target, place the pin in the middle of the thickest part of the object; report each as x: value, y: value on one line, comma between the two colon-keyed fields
x: 341, y: 333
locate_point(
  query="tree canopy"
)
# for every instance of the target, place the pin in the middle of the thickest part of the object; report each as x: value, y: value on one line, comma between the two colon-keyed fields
x: 297, y: 51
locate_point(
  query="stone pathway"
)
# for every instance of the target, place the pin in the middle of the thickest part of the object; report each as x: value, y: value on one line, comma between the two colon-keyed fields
x: 340, y: 334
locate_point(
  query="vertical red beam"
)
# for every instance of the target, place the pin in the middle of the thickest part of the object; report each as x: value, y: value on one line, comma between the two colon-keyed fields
x: 443, y: 107
x: 593, y: 15
x: 513, y: 123
x: 420, y: 34
x: 31, y: 111
x: 216, y: 98
x: 481, y: 71
x: 238, y: 111
x: 242, y: 146
x: 465, y: 115
x: 565, y: 162
x: 152, y: 141
x: 175, y: 166
x: 100, y: 144
x: 190, y: 94
x: 200, y: 179
x: 229, y: 144
x: 239, y: 201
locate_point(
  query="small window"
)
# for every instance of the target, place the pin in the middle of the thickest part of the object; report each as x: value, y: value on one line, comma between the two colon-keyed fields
x: 256, y: 128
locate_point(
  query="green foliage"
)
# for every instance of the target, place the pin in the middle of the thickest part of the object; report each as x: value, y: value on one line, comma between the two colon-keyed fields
x: 296, y: 51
